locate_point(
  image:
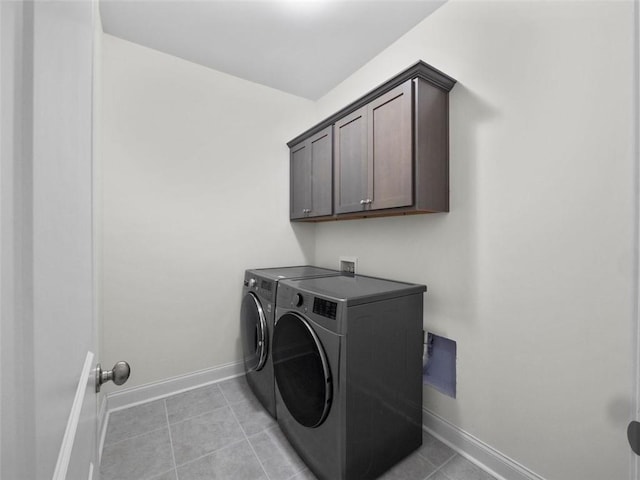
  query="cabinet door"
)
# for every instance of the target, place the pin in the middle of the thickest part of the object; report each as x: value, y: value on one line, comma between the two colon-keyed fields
x: 311, y: 171
x: 390, y: 181
x: 321, y: 173
x: 352, y: 163
x: 300, y: 180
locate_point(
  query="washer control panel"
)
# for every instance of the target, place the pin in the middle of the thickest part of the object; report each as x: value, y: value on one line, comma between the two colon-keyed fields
x: 263, y: 287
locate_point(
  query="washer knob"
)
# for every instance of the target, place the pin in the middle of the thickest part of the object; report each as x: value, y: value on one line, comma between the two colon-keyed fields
x: 298, y: 299
x: 252, y: 282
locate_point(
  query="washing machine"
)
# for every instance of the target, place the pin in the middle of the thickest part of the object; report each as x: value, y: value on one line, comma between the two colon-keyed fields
x: 347, y: 357
x: 256, y: 324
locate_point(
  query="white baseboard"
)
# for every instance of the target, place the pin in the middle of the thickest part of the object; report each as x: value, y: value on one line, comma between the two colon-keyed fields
x: 475, y: 450
x: 144, y: 393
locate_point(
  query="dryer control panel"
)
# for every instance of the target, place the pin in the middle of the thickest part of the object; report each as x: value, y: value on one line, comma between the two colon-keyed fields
x: 325, y: 308
x: 325, y: 312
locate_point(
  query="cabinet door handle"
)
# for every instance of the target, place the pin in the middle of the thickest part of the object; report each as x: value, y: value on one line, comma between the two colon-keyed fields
x: 362, y: 202
x: 368, y: 201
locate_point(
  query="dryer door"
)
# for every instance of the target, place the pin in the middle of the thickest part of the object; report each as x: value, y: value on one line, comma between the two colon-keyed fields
x: 301, y: 370
x: 254, y: 333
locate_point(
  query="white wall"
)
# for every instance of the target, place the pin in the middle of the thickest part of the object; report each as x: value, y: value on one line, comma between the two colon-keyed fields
x: 195, y: 190
x: 530, y: 272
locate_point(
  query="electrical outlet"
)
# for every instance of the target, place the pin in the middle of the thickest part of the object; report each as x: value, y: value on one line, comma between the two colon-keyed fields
x: 348, y: 264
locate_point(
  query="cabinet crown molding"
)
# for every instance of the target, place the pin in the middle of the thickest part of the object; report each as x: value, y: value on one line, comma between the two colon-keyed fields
x: 420, y: 69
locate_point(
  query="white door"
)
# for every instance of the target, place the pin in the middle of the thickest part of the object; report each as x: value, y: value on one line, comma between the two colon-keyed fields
x: 48, y: 330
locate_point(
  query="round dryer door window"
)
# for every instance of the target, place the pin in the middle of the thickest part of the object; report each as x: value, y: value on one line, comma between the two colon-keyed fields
x: 254, y: 333
x: 301, y: 370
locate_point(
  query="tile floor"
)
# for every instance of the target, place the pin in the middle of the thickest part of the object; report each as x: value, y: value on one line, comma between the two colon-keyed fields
x: 221, y: 432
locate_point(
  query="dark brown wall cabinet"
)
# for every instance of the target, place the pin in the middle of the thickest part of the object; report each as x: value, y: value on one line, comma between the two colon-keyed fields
x: 311, y: 171
x: 388, y: 155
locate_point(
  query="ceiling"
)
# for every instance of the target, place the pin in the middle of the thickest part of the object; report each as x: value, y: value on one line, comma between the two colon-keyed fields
x: 303, y: 47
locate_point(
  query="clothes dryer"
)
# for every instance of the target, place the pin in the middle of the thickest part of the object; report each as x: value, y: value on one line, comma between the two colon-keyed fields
x: 347, y: 356
x: 256, y: 324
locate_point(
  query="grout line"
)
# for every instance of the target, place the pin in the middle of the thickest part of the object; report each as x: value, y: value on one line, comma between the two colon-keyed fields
x: 107, y: 445
x: 429, y: 462
x: 248, y: 441
x: 491, y: 476
x: 196, y: 415
x: 295, y: 475
x: 433, y: 475
x: 226, y: 404
x: 300, y: 471
x: 208, y: 412
x: 438, y: 467
x: 172, y: 393
x: 280, y: 448
x: 224, y: 396
x: 449, y: 461
x: 208, y: 454
x: 173, y: 453
x: 157, y: 475
x: 229, y: 402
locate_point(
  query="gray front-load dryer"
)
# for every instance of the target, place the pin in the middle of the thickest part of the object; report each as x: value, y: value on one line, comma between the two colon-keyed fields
x: 347, y: 356
x: 256, y: 324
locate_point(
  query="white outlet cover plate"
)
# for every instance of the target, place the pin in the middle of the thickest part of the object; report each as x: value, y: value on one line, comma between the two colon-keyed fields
x: 353, y: 260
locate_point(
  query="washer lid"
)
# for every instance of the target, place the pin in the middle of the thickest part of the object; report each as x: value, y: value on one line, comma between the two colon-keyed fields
x: 355, y: 290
